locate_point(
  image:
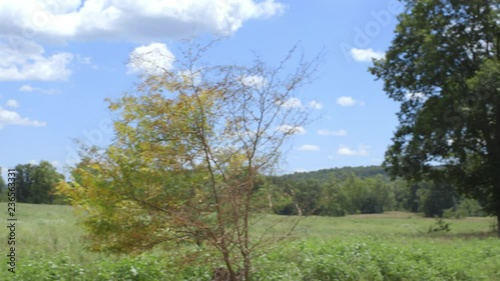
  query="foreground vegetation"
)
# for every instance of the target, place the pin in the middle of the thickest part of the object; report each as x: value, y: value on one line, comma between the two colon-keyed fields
x: 390, y: 246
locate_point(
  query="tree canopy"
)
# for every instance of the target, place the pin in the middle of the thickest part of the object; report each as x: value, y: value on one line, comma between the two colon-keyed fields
x: 36, y: 183
x: 443, y: 66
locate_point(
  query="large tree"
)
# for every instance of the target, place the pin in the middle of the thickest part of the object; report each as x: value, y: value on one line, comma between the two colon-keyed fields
x: 444, y: 68
x: 186, y: 163
x: 35, y: 183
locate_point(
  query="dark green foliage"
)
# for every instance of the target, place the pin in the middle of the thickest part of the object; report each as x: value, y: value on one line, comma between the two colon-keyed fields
x: 339, y: 173
x: 335, y: 192
x: 323, y: 193
x: 443, y: 67
x: 35, y: 183
x: 3, y: 192
x: 411, y: 202
x: 435, y: 198
x: 366, y: 190
x: 23, y: 182
x: 465, y: 207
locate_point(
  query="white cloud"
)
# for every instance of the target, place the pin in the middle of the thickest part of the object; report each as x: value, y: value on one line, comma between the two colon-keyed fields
x: 12, y: 103
x: 315, y: 105
x: 345, y: 150
x: 346, y: 101
x: 366, y: 55
x: 308, y: 147
x: 86, y: 61
x: 152, y: 59
x: 83, y: 60
x: 90, y: 20
x: 297, y: 103
x: 26, y: 88
x: 25, y: 60
x: 8, y: 117
x: 29, y: 88
x: 292, y: 103
x: 292, y: 130
x: 33, y: 162
x: 419, y: 96
x: 133, y: 20
x: 255, y: 81
x: 337, y: 133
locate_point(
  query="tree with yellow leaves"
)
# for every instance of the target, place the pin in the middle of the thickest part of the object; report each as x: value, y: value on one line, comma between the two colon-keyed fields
x: 190, y: 150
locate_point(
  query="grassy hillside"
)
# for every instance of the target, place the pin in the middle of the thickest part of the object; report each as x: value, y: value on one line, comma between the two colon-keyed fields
x: 50, y: 247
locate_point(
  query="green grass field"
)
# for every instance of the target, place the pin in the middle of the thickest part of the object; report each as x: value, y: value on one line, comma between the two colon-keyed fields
x: 389, y: 246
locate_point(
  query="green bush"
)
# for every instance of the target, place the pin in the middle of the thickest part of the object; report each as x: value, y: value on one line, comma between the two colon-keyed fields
x: 439, y: 226
x: 466, y: 208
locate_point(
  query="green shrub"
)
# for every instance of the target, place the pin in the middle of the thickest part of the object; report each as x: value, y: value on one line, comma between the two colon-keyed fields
x: 439, y: 226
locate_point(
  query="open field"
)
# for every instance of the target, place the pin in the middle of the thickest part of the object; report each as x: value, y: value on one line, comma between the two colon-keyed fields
x: 390, y: 246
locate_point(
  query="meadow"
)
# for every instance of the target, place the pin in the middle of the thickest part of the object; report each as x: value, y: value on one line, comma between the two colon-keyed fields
x: 389, y: 246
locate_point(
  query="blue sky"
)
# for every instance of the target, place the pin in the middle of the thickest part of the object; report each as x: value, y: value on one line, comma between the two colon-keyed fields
x: 61, y: 59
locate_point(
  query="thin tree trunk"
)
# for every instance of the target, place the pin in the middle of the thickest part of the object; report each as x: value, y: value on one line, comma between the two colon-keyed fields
x: 232, y: 274
x: 299, y: 210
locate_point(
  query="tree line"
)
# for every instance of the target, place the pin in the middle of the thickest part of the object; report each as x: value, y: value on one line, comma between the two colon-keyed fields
x: 327, y: 192
x: 35, y: 184
x: 367, y: 190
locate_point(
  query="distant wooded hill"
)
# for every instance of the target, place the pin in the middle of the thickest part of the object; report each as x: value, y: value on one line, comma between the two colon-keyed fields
x: 364, y: 189
x: 340, y: 173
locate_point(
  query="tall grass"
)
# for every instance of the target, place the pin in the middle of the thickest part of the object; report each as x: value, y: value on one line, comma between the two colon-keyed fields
x: 391, y: 246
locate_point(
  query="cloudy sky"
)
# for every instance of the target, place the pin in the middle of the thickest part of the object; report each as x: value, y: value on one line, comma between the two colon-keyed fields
x: 62, y: 58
